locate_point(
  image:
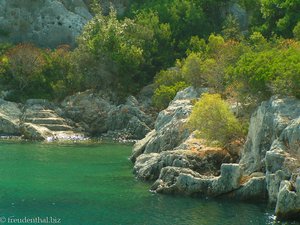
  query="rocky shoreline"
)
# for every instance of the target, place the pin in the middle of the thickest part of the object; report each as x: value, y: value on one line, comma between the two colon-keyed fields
x: 81, y: 116
x: 268, y: 168
x: 166, y: 153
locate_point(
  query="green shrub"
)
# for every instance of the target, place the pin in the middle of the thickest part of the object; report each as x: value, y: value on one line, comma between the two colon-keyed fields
x: 167, y: 83
x: 164, y: 94
x: 296, y: 31
x: 211, y: 116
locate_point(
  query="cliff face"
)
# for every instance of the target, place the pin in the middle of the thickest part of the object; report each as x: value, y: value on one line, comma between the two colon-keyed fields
x: 47, y: 23
x: 269, y: 167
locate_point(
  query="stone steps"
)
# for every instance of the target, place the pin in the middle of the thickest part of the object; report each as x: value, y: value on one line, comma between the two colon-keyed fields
x: 41, y: 123
x: 56, y: 127
x: 46, y: 120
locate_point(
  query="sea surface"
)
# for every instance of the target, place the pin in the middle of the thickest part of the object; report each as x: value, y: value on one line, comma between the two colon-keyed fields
x: 90, y: 184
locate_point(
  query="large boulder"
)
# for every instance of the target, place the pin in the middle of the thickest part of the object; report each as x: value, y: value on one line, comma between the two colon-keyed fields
x: 47, y: 23
x: 98, y: 115
x: 10, y: 114
x: 288, y: 204
x: 89, y: 109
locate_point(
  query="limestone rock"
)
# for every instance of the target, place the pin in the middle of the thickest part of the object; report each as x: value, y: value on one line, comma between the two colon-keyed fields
x: 10, y: 114
x: 40, y: 121
x: 99, y: 115
x: 273, y: 183
x: 148, y: 166
x: 47, y: 23
x: 34, y: 132
x: 187, y: 181
x: 90, y: 109
x: 255, y: 190
x: 288, y: 203
x: 266, y: 125
x: 139, y: 147
x: 169, y: 125
x: 273, y: 147
x: 129, y: 116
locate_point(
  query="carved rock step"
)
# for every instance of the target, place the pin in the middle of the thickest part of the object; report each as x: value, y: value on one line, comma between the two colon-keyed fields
x: 48, y: 120
x: 56, y: 127
x: 39, y: 113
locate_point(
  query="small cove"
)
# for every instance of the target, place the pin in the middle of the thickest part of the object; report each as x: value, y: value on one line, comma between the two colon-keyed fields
x: 89, y: 184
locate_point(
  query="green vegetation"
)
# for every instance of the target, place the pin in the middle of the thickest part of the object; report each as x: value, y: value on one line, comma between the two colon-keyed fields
x: 215, y: 122
x: 167, y: 84
x: 29, y: 72
x: 210, y: 46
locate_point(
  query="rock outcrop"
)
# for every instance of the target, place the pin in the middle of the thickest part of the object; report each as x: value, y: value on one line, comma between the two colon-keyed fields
x: 47, y: 23
x: 148, y: 166
x: 83, y: 114
x: 270, y: 129
x: 98, y: 115
x: 40, y: 121
x: 10, y: 114
x: 288, y: 204
x: 273, y: 147
x: 169, y: 129
x: 187, y: 181
x: 269, y: 167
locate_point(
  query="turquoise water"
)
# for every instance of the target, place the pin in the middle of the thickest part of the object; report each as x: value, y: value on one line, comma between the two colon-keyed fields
x: 93, y: 184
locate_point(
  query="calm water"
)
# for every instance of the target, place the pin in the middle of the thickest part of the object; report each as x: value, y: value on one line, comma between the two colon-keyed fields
x: 93, y: 184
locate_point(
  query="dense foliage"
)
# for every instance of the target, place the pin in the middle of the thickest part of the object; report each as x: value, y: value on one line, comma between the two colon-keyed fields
x: 210, y: 45
x: 29, y: 72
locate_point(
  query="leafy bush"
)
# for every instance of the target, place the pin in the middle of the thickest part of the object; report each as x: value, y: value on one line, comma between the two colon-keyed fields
x: 167, y: 84
x: 212, y: 117
x: 165, y: 94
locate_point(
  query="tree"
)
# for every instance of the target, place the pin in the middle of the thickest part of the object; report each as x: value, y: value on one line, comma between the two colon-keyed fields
x: 296, y: 31
x: 25, y: 65
x: 281, y: 16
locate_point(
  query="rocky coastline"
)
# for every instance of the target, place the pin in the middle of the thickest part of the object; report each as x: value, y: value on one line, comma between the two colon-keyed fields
x: 268, y: 167
x: 168, y: 154
x: 79, y: 117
